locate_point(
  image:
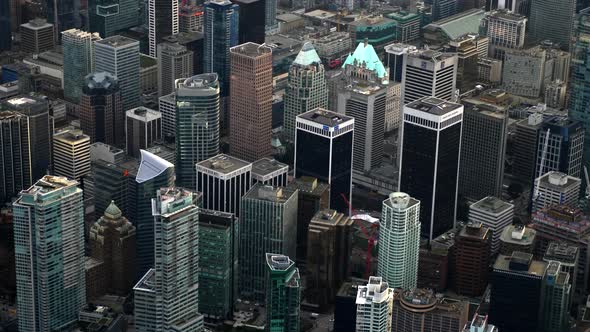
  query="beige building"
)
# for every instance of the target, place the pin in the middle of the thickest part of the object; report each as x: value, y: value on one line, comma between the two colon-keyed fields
x: 71, y: 154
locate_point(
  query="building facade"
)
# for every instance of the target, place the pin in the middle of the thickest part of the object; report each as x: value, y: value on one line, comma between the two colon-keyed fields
x: 283, y: 294
x: 565, y: 147
x: 14, y: 143
x: 429, y: 73
x: 143, y: 126
x: 71, y: 154
x: 107, y: 17
x: 472, y: 259
x: 174, y: 62
x: 559, y: 15
x: 162, y: 21
x: 101, y: 109
x: 37, y: 36
x: 78, y: 50
x: 495, y: 214
x: 505, y: 30
x: 374, y: 306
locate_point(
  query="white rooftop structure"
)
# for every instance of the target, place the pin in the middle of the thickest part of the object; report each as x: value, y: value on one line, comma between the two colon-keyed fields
x: 151, y: 166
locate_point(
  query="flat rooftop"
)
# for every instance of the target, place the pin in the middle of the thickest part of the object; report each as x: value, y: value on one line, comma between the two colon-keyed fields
x: 49, y: 183
x: 474, y: 231
x: 433, y: 105
x: 251, y: 49
x: 266, y: 166
x: 518, y: 234
x: 223, y: 163
x: 561, y: 251
x: 536, y: 268
x: 146, y: 61
x: 325, y: 117
x: 309, y: 185
x: 71, y: 136
x: 118, y: 41
x: 269, y: 193
x: 491, y: 204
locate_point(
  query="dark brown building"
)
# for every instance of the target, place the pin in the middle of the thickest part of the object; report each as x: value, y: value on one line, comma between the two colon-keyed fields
x: 472, y: 259
x: 313, y: 197
x: 435, y: 262
x: 250, y: 101
x: 112, y: 242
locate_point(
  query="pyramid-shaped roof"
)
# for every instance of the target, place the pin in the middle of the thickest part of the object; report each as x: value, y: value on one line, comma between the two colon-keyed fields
x: 365, y: 53
x: 307, y: 55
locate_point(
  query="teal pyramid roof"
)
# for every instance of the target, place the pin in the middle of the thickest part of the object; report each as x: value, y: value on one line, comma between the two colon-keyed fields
x: 365, y: 53
x: 307, y: 55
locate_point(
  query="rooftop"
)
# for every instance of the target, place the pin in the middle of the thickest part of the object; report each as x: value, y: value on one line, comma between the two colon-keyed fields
x: 288, y: 17
x: 143, y: 114
x: 521, y: 263
x: 146, y: 61
x: 171, y: 200
x: 518, y: 234
x: 71, y: 136
x: 325, y: 117
x: 460, y: 24
x: 224, y: 164
x: 506, y: 15
x: 434, y: 106
x: 558, y: 181
x: 474, y: 230
x: 250, y: 49
x: 207, y: 81
x: 118, y: 41
x: 266, y: 166
x: 365, y: 56
x: 400, y: 201
x: 151, y: 166
x: 562, y: 251
x: 49, y: 183
x: 277, y: 262
x: 491, y: 204
x: 307, y: 56
x: 269, y: 193
x: 329, y: 217
x: 37, y: 23
x: 101, y: 80
x: 310, y: 185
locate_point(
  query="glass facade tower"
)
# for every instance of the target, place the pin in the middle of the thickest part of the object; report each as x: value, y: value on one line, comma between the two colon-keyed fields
x: 283, y: 294
x: 78, y: 50
x: 107, y: 17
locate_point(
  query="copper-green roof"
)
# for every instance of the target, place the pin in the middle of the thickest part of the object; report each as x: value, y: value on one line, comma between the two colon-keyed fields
x: 365, y: 54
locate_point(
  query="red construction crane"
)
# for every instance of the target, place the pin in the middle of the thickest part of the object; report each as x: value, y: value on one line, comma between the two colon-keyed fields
x: 371, y: 237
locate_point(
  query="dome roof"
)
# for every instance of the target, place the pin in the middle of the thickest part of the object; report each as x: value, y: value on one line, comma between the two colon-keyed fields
x: 112, y: 211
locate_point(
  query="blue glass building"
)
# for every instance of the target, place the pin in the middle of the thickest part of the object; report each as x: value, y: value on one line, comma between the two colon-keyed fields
x: 109, y: 16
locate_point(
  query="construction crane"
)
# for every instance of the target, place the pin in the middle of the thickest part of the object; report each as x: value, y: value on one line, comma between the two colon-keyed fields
x: 371, y: 236
x: 587, y: 182
x: 541, y: 166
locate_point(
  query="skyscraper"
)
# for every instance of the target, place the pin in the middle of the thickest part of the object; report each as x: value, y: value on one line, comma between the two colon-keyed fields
x: 107, y: 17
x: 556, y: 299
x: 399, y: 241
x: 5, y: 23
x: 505, y: 30
x: 374, y: 306
x: 429, y: 159
x: 565, y: 147
x: 270, y: 17
x: 49, y: 295
x: 443, y: 9
x: 270, y: 171
x: 580, y: 75
x: 395, y: 55
x: 78, y: 50
x: 36, y: 36
x: 306, y: 87
x: 555, y: 188
x: 119, y: 56
x: 15, y: 172
x: 472, y: 259
x: 143, y: 126
x: 251, y: 101
x: 283, y: 294
x: 64, y: 14
x: 167, y: 107
x: 220, y: 29
x: 268, y: 220
x: 559, y: 15
x: 525, y: 149
x: 197, y: 125
x: 174, y: 62
x: 493, y: 213
x: 101, y: 109
x: 71, y: 154
x: 251, y: 27
x: 167, y: 297
x: 429, y: 73
x: 524, y: 72
x: 162, y: 22
x: 323, y: 150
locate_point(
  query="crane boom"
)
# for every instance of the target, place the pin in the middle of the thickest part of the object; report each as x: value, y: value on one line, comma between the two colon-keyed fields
x: 541, y: 165
x: 587, y: 182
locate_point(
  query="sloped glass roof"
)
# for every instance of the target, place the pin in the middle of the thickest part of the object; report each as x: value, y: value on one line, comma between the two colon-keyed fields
x: 307, y: 55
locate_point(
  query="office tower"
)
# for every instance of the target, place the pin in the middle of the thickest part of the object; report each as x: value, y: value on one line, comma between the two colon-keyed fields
x: 524, y: 72
x: 162, y: 22
x: 555, y: 94
x: 79, y: 60
x: 420, y: 310
x: 526, y: 149
x: 113, y: 174
x: 565, y: 147
x: 517, y: 238
x: 505, y: 30
x: 395, y: 55
x: 49, y: 295
x: 167, y: 107
x: 36, y: 111
x: 220, y: 29
x: 393, y: 107
x: 306, y: 87
x: 429, y: 73
x: 374, y: 305
x: 250, y: 101
x: 324, y: 139
x: 269, y: 171
x: 107, y: 17
x: 15, y: 160
x: 345, y: 305
x: 313, y: 197
x: 570, y: 226
x: 270, y: 17
x: 283, y: 294
x: 568, y: 256
x: 251, y: 27
x: 443, y: 9
x: 472, y: 258
x: 197, y: 125
x: 190, y: 17
x: 71, y: 155
x: 399, y: 241
x: 194, y: 42
x: 408, y: 25
x: 268, y: 221
x: 489, y: 70
x: 223, y: 180
x: 555, y: 188
x: 36, y: 36
x: 64, y: 14
x: 516, y: 292
x: 329, y: 244
x: 479, y: 323
x: 112, y: 241
x: 119, y: 56
x: 364, y: 98
x: 494, y: 214
x: 5, y: 23
x: 580, y: 74
x: 174, y: 62
x: 483, y: 146
x: 429, y: 159
x: 556, y: 299
x: 559, y: 15
x: 435, y: 264
x: 167, y: 296
x: 218, y: 259
x: 101, y: 109
x: 148, y: 77
x: 143, y: 126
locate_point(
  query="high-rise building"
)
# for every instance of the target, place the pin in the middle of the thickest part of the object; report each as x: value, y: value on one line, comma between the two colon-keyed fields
x: 15, y: 172
x: 167, y: 107
x: 494, y: 214
x: 555, y: 188
x: 489, y: 70
x: 399, y: 241
x: 162, y: 22
x: 483, y: 149
x: 223, y: 180
x: 49, y: 295
x: 480, y: 323
x: 435, y: 263
x: 174, y: 62
x: 197, y: 125
x: 270, y: 17
x: 329, y: 244
x: 251, y: 101
x: 559, y: 15
x: 517, y: 238
x: 345, y: 305
x: 107, y: 17
x: 119, y: 56
x: 190, y: 17
x: 64, y: 14
x: 374, y: 306
x: 270, y: 171
x: 79, y: 60
x: 430, y: 149
x: 395, y: 55
x: 443, y: 9
x: 112, y: 241
x: 218, y: 260
x: 568, y: 256
x: 556, y: 299
x: 101, y: 109
x: 143, y: 126
x: 71, y: 154
x: 283, y: 294
x: 505, y: 30
x: 5, y: 23
x: 555, y: 94
x: 148, y: 77
x: 524, y: 72
x: 526, y: 149
x: 516, y: 283
x: 323, y: 149
x: 36, y: 36
x: 167, y: 296
x: 429, y: 73
x: 251, y: 27
x: 268, y: 220
x: 306, y: 87
x: 472, y: 258
x: 565, y: 147
x: 220, y: 29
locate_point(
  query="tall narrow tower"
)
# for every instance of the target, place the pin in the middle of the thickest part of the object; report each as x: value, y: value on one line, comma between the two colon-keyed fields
x: 162, y: 22
x: 78, y: 51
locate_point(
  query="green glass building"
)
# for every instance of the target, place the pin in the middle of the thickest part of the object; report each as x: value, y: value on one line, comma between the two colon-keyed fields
x: 556, y: 299
x: 107, y: 17
x: 283, y: 294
